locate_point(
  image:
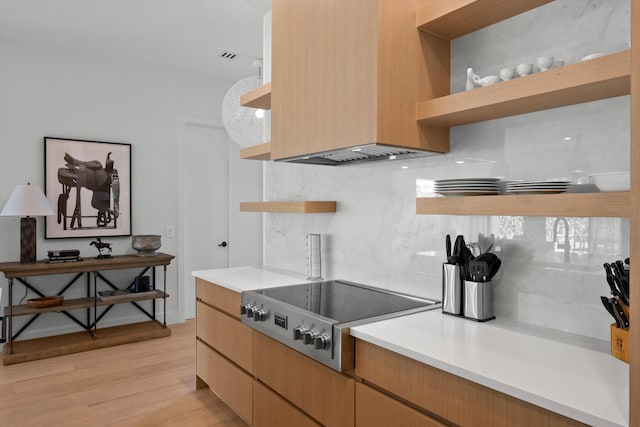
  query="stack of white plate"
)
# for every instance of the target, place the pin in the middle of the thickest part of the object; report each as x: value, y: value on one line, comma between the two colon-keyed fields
x: 537, y: 187
x: 467, y: 186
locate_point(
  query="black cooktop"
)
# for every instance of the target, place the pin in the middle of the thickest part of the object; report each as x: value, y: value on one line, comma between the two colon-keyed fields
x: 344, y: 301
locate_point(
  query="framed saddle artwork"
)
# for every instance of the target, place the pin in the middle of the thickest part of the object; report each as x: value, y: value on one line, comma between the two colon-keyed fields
x: 88, y: 183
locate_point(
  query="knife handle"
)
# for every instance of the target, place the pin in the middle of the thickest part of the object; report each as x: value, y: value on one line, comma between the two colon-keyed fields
x: 624, y: 307
x: 609, y: 308
x: 619, y: 313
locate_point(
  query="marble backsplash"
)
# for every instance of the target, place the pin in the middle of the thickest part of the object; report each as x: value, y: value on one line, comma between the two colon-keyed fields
x: 376, y: 233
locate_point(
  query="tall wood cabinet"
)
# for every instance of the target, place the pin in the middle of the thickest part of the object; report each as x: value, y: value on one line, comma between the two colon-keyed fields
x: 634, y: 380
x: 347, y: 73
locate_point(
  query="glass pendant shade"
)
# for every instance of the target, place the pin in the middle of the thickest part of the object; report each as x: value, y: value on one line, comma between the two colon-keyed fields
x: 241, y: 123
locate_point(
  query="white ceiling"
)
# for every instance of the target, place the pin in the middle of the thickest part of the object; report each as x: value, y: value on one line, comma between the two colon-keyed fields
x: 183, y: 34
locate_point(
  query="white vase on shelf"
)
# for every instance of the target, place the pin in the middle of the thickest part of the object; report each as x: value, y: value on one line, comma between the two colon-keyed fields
x: 473, y: 80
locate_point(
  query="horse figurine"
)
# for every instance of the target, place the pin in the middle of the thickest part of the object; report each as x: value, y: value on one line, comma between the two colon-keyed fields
x: 102, y: 181
x: 100, y: 245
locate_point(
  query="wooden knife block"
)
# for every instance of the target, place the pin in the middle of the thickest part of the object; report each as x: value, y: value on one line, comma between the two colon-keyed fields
x: 620, y: 343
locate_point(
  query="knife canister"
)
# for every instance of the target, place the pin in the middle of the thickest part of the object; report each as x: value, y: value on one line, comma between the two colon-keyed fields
x: 478, y: 300
x: 451, y: 289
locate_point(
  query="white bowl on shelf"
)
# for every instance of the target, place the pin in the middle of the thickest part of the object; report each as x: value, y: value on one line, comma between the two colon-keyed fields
x: 545, y: 62
x: 612, y: 181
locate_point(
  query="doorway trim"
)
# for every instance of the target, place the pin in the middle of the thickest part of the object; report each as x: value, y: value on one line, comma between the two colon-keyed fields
x: 183, y: 121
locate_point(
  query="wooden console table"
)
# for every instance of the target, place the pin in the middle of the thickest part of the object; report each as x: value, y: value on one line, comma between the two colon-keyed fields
x: 40, y: 348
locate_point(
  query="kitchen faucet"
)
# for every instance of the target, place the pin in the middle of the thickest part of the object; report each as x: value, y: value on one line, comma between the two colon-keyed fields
x: 566, y: 245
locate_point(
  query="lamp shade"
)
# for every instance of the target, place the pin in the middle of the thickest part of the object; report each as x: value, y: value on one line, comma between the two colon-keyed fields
x: 27, y: 200
x: 241, y: 123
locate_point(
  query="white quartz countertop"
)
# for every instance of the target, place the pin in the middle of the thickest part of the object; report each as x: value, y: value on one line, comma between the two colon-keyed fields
x: 569, y: 375
x: 248, y: 278
x: 566, y: 374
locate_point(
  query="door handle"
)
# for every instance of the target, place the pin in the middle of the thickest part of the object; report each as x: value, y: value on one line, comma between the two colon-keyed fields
x: 223, y: 244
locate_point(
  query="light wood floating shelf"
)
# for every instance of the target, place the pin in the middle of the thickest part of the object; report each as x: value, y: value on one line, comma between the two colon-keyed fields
x: 451, y: 19
x: 257, y: 152
x: 591, y: 80
x: 258, y: 98
x: 292, y: 207
x: 563, y: 205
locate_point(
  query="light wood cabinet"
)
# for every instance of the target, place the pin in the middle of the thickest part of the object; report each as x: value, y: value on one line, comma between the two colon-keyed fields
x: 230, y: 383
x: 375, y: 409
x: 226, y: 335
x: 221, y: 298
x: 348, y: 73
x: 270, y: 410
x: 450, y: 397
x: 634, y: 332
x: 263, y: 381
x: 326, y: 395
x: 224, y: 348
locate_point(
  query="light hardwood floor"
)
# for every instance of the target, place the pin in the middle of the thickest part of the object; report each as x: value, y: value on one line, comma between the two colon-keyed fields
x: 149, y: 383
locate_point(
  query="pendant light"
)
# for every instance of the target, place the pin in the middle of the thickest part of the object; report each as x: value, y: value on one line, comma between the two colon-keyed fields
x: 244, y: 125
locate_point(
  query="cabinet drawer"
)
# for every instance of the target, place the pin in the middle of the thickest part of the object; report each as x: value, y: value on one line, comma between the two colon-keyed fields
x: 374, y: 409
x: 229, y: 382
x: 219, y: 297
x: 321, y: 392
x: 270, y: 410
x: 453, y: 398
x: 226, y: 334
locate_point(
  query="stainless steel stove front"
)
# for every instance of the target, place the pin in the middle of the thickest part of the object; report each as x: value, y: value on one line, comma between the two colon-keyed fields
x: 322, y: 338
x: 305, y: 332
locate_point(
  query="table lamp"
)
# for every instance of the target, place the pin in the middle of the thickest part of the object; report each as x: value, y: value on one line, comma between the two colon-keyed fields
x: 27, y: 201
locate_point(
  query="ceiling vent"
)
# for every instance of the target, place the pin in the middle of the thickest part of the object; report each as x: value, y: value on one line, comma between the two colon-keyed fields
x: 228, y: 55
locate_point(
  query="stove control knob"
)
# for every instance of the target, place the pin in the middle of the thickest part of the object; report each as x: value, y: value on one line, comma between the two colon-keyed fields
x: 309, y: 336
x: 251, y: 310
x: 298, y: 332
x: 260, y: 315
x: 321, y: 341
x: 244, y: 308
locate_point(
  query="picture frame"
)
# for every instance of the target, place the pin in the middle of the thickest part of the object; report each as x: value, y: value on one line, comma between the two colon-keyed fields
x: 88, y: 185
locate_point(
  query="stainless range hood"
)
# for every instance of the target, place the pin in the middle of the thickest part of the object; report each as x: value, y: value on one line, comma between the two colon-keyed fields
x: 359, y: 154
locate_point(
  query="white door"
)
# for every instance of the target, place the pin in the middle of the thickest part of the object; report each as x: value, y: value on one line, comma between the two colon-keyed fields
x: 205, y: 219
x: 212, y: 181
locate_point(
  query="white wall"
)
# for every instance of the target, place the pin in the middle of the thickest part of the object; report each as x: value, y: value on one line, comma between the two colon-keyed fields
x: 376, y: 236
x: 58, y: 93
